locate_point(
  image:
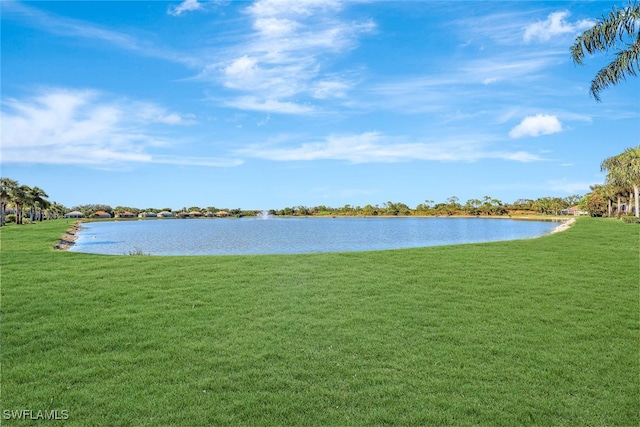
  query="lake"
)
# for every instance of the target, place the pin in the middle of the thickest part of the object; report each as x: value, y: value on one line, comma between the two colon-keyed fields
x: 294, y: 235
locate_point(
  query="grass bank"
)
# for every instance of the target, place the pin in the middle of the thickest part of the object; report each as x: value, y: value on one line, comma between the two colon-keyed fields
x: 535, y: 332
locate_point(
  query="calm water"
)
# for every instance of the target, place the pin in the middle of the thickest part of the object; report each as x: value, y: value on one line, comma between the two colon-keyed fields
x: 294, y: 235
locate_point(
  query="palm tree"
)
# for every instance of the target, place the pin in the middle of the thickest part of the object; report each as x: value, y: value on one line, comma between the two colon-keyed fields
x: 37, y: 199
x: 612, y: 31
x: 7, y: 186
x: 613, y: 190
x: 624, y: 169
x: 56, y: 210
x: 20, y: 197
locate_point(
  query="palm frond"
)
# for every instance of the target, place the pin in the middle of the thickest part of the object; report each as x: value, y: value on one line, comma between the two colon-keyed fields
x: 625, y: 63
x: 607, y: 34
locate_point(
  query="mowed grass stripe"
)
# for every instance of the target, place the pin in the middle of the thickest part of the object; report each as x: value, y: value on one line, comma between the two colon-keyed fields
x: 536, y: 332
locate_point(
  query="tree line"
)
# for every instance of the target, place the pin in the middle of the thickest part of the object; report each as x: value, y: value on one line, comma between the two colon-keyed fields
x: 619, y: 194
x: 487, y: 206
x: 24, y: 199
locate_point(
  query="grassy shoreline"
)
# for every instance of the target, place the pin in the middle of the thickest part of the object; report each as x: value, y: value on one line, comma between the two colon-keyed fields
x: 535, y: 332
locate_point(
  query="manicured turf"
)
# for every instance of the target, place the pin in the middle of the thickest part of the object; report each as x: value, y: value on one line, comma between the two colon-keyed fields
x: 535, y: 332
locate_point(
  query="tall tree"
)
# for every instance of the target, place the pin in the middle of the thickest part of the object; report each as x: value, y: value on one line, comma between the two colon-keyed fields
x: 55, y: 210
x: 617, y: 31
x: 624, y: 169
x: 20, y: 198
x: 595, y: 201
x: 7, y: 187
x: 37, y: 199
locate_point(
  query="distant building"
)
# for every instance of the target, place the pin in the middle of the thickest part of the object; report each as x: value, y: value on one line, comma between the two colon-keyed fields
x: 575, y: 211
x: 101, y: 214
x: 125, y: 214
x: 147, y: 215
x: 74, y: 214
x: 222, y: 213
x: 165, y: 214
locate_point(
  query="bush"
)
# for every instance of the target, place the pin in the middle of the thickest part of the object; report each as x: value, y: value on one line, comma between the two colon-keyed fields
x: 10, y: 218
x: 630, y: 219
x: 137, y: 252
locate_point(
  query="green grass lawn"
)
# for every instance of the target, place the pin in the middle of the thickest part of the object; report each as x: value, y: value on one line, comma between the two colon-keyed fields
x: 535, y: 332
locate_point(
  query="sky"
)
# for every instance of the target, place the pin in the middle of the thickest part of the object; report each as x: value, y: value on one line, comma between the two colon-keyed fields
x: 269, y: 104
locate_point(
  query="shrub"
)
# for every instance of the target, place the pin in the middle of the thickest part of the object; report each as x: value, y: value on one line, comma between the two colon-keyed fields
x: 630, y: 219
x: 137, y: 252
x: 10, y: 218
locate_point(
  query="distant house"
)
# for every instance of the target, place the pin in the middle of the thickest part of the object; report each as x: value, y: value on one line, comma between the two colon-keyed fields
x: 101, y: 214
x: 147, y: 215
x: 575, y: 211
x: 222, y: 213
x: 165, y: 214
x: 195, y: 214
x: 182, y: 214
x: 74, y: 214
x: 125, y: 214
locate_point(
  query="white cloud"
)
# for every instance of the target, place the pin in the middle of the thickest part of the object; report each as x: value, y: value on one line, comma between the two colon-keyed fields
x: 275, y: 27
x: 490, y: 80
x: 306, y: 8
x: 177, y: 119
x: 556, y: 24
x: 330, y: 89
x: 286, y: 54
x: 268, y: 105
x: 185, y: 6
x: 62, y: 126
x: 374, y: 147
x: 540, y: 124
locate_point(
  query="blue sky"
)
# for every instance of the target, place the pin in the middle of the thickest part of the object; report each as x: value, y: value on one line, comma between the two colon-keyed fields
x: 267, y: 104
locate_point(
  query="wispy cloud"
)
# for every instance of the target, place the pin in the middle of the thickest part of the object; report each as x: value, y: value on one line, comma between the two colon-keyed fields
x: 268, y: 105
x: 503, y: 29
x: 555, y: 25
x: 473, y: 80
x: 284, y: 56
x: 63, y: 126
x: 540, y: 124
x: 185, y: 6
x: 68, y: 27
x: 375, y: 147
